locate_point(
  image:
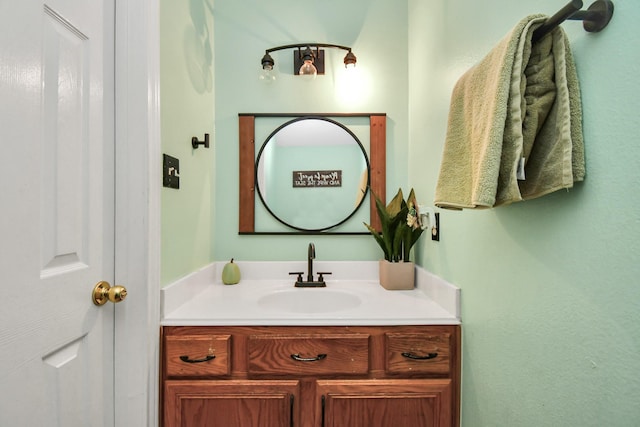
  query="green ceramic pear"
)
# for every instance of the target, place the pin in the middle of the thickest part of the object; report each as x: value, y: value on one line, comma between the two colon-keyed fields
x: 230, y: 273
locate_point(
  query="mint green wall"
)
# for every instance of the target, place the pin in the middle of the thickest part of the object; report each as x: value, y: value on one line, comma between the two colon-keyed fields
x: 244, y: 29
x: 187, y: 110
x: 550, y: 294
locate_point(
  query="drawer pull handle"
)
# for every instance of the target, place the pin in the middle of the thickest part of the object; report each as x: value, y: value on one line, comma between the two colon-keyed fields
x: 416, y: 357
x: 299, y: 358
x: 206, y: 359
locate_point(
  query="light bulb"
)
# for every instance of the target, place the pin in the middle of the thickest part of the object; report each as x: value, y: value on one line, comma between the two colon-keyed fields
x: 350, y: 60
x: 267, y: 76
x: 308, y: 69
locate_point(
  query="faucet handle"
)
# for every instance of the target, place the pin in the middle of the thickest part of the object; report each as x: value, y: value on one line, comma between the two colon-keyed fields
x: 320, y: 275
x: 299, y: 273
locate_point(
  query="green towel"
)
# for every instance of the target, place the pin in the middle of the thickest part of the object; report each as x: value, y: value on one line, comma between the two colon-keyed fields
x: 515, y: 124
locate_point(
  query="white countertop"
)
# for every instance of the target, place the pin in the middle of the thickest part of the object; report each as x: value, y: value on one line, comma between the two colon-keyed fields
x: 353, y: 296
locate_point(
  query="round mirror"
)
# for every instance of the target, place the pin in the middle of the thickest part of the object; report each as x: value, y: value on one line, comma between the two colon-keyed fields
x: 312, y: 173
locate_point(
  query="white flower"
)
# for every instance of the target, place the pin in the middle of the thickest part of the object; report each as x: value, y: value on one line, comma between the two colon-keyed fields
x: 413, y: 220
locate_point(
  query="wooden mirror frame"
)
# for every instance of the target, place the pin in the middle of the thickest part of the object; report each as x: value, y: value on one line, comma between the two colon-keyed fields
x: 247, y: 182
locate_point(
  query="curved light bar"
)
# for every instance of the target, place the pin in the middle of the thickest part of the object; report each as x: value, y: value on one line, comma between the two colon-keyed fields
x: 306, y: 60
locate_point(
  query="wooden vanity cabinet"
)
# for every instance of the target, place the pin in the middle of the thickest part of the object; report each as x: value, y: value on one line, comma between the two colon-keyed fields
x: 310, y: 376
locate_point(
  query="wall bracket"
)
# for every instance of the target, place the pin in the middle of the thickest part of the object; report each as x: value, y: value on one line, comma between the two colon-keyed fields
x: 195, y: 143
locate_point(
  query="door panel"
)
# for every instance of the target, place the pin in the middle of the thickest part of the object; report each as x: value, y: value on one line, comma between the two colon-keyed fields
x: 385, y: 403
x: 231, y: 403
x: 56, y: 119
x: 64, y: 371
x: 65, y: 148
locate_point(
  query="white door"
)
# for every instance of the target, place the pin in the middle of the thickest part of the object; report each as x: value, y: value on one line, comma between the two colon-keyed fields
x: 56, y: 212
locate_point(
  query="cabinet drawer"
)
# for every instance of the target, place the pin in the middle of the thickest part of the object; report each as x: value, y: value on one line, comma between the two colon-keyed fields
x: 312, y: 354
x: 197, y: 355
x: 418, y: 353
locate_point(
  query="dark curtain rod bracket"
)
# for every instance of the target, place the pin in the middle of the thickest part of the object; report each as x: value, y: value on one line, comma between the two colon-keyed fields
x: 594, y: 19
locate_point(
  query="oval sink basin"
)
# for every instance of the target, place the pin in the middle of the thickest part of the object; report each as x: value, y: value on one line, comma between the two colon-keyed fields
x: 309, y: 300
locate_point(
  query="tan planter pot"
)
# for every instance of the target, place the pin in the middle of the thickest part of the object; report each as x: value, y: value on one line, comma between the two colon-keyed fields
x: 397, y: 275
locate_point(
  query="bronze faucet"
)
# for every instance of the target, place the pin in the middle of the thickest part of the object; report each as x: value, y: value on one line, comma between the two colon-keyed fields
x: 311, y: 255
x: 310, y: 282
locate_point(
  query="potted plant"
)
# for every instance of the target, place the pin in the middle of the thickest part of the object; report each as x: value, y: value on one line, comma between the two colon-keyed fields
x: 400, y: 231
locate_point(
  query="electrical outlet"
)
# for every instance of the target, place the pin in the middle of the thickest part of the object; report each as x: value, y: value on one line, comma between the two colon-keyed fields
x: 170, y: 171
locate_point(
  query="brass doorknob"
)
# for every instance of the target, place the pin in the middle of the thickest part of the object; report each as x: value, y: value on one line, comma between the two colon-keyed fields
x: 104, y: 292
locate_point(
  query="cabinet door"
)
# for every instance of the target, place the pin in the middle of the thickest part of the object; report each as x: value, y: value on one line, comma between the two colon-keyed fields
x: 231, y: 403
x: 384, y: 403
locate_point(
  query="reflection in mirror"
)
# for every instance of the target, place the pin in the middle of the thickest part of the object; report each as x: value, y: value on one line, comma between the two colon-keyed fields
x: 312, y: 173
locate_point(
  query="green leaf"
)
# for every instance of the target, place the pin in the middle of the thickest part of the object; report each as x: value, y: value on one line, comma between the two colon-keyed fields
x: 396, y: 238
x: 395, y: 205
x: 378, y: 237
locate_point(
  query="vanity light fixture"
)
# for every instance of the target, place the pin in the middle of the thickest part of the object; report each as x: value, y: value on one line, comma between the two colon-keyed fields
x: 308, y: 58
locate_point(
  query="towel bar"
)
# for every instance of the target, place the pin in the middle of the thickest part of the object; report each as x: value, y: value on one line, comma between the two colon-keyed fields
x: 594, y: 19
